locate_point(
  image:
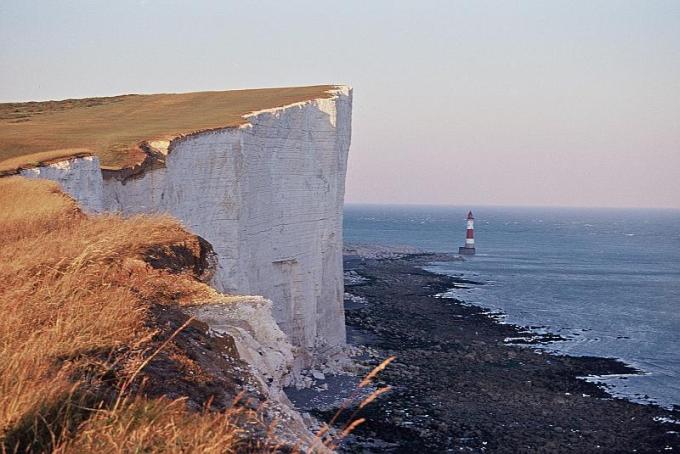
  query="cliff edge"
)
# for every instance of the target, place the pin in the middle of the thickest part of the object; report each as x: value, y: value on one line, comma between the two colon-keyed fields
x: 260, y: 174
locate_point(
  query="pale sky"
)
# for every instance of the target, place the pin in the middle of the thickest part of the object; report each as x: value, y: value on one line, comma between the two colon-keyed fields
x: 573, y: 103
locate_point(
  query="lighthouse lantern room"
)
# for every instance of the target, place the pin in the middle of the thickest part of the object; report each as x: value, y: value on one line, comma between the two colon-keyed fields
x: 469, y: 248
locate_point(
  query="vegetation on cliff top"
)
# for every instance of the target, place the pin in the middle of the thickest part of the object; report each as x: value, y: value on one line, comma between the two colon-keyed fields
x: 92, y: 342
x: 115, y: 128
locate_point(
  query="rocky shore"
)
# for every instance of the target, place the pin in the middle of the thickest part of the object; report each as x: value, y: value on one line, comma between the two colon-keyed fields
x: 458, y: 385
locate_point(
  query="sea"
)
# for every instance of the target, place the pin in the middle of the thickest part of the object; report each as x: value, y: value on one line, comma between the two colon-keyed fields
x: 606, y: 280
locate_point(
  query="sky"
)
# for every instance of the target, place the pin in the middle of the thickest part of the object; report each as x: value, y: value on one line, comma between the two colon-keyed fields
x: 557, y: 103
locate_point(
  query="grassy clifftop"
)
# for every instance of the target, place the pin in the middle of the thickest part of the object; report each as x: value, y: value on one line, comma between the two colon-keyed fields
x: 95, y: 353
x: 114, y: 128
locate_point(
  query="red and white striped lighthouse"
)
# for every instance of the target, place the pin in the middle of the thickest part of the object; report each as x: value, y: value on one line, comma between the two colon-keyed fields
x: 469, y: 248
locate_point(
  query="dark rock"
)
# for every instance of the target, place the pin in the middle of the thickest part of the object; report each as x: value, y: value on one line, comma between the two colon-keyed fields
x: 480, y: 394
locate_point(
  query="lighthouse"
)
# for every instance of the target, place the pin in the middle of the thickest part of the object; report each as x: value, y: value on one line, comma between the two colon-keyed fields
x: 469, y: 248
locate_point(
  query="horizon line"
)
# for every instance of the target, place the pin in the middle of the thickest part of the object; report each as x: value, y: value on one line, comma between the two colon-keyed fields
x: 488, y: 205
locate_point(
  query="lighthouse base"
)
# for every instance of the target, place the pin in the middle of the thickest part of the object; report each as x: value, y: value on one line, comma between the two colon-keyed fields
x: 466, y: 251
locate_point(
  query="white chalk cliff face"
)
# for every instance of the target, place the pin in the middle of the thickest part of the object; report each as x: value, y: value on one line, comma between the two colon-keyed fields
x: 268, y: 196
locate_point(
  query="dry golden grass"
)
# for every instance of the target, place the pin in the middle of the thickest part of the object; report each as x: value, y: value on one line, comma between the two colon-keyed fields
x: 74, y: 298
x: 114, y: 128
x: 18, y: 218
x: 159, y: 426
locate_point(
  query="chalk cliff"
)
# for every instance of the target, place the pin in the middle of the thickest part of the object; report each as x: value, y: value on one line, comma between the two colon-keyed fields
x: 267, y: 195
x: 80, y: 177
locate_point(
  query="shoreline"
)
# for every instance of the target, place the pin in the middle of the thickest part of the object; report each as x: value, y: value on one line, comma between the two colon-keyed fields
x: 458, y: 384
x: 542, y: 337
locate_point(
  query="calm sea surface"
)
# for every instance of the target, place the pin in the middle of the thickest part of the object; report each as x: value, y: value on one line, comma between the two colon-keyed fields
x: 608, y: 280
